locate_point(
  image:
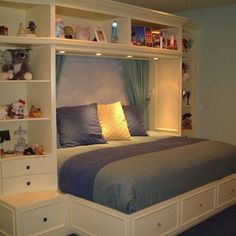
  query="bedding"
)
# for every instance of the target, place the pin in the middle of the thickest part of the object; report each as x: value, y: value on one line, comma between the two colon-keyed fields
x: 131, y: 177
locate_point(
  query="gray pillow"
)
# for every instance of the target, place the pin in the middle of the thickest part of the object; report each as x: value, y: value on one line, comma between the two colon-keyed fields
x: 135, y: 119
x: 79, y: 125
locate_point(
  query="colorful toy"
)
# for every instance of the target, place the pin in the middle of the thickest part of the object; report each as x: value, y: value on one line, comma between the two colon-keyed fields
x: 59, y: 27
x: 38, y: 149
x: 82, y: 33
x: 32, y: 27
x: 187, y: 121
x: 16, y: 109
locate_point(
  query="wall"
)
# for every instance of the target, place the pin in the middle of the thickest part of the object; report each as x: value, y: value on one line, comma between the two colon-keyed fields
x: 216, y: 86
x: 86, y: 80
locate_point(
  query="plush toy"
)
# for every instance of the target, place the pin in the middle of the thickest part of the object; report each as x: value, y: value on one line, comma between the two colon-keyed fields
x: 38, y: 149
x: 16, y: 65
x: 35, y: 112
x: 7, y: 69
x: 16, y: 109
x: 59, y: 27
x: 3, y: 112
x: 82, y: 33
x: 187, y: 121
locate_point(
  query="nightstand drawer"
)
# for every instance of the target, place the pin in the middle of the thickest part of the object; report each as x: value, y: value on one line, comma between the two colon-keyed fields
x: 27, y: 183
x: 198, y: 205
x: 227, y: 192
x: 12, y: 168
x: 45, y: 219
x: 160, y: 222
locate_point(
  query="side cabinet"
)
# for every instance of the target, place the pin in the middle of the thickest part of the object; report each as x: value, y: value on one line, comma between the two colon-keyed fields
x: 42, y: 213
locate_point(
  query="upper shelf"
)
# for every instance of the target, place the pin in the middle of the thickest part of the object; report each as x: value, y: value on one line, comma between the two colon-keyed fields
x: 89, y: 13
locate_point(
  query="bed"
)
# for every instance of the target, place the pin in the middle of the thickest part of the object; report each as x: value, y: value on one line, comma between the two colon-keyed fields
x: 145, y: 185
x: 135, y: 183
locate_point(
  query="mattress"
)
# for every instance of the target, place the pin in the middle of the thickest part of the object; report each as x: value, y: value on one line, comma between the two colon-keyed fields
x: 143, y: 178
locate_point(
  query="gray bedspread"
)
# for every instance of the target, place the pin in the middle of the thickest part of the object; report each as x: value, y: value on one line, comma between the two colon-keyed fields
x: 134, y: 183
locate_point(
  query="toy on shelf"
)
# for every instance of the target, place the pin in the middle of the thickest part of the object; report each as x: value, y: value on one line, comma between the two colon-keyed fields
x: 187, y: 121
x: 36, y: 149
x: 3, y: 30
x: 16, y: 109
x: 82, y: 33
x: 21, y: 30
x: 187, y: 44
x: 21, y: 143
x: 15, y: 65
x: 3, y: 112
x: 35, y: 112
x: 114, y: 32
x: 31, y: 27
x: 59, y: 27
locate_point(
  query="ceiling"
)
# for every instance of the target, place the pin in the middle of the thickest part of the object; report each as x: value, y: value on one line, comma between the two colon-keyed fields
x: 173, y: 6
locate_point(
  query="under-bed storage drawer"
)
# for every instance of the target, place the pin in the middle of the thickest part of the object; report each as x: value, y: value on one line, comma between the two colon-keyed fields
x: 226, y: 192
x: 159, y: 222
x: 198, y: 205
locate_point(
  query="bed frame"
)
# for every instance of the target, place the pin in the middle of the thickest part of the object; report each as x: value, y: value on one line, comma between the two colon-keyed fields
x: 167, y: 218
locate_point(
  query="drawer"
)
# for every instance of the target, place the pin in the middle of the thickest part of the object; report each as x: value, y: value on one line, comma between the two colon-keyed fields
x: 11, y: 168
x: 27, y: 183
x: 198, y: 205
x: 6, y: 220
x: 43, y: 219
x: 226, y: 192
x: 158, y: 223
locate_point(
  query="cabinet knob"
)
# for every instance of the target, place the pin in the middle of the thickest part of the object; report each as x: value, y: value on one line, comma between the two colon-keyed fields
x: 28, y: 167
x: 45, y: 219
x: 28, y: 183
x: 200, y: 205
x: 232, y: 190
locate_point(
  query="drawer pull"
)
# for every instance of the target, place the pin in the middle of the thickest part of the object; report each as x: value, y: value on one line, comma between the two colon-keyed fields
x: 28, y: 167
x: 45, y: 219
x: 200, y: 205
x: 232, y: 190
x: 159, y: 225
x: 28, y: 183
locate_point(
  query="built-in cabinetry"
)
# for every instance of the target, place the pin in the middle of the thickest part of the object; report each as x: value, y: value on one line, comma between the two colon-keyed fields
x: 189, y: 78
x: 22, y: 176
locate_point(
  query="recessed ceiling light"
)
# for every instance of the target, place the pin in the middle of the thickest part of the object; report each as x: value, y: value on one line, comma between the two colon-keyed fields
x: 129, y: 56
x: 61, y: 51
x: 98, y: 54
x: 155, y: 58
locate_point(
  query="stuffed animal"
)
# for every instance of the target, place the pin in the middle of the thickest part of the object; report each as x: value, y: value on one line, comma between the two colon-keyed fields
x: 35, y: 112
x: 16, y: 109
x: 38, y: 149
x: 3, y: 112
x: 187, y: 121
x: 16, y: 65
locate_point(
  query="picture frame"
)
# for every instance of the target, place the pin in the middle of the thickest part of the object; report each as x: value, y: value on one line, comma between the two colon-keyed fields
x: 100, y: 35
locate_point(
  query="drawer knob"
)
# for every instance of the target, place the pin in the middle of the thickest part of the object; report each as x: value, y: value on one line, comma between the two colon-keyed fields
x: 28, y: 183
x: 200, y: 205
x: 159, y: 225
x: 232, y: 190
x: 45, y: 219
x: 28, y: 167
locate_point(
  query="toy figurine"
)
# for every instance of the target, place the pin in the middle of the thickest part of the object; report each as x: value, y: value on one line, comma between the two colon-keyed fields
x: 31, y: 28
x: 3, y: 30
x: 59, y: 29
x: 114, y: 32
x: 21, y: 31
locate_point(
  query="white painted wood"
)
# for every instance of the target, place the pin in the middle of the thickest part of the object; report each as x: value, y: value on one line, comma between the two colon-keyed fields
x: 160, y: 222
x: 198, y: 205
x: 226, y: 192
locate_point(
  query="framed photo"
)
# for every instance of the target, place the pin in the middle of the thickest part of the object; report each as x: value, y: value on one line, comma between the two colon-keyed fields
x: 100, y: 35
x: 138, y: 35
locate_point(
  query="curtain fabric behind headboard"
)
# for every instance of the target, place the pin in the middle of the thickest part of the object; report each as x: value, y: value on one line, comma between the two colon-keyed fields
x: 136, y: 76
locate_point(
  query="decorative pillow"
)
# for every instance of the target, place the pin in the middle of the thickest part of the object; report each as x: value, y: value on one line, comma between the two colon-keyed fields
x: 79, y: 125
x: 135, y: 119
x: 113, y: 123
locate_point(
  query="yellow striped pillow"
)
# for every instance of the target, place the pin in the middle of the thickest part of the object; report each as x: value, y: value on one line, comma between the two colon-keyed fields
x: 113, y: 123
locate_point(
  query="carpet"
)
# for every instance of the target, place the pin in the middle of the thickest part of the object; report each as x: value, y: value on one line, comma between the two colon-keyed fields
x: 222, y: 224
